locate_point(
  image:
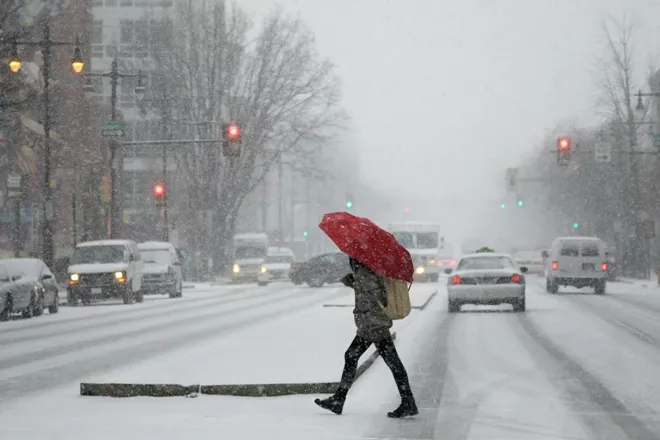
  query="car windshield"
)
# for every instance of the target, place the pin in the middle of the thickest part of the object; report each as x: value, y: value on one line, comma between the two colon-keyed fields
x: 101, y: 254
x: 156, y: 256
x: 246, y: 252
x: 485, y: 263
x: 405, y: 239
x: 279, y: 259
x: 427, y: 240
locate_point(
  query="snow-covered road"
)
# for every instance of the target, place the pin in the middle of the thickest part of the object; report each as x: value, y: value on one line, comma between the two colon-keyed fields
x: 574, y: 366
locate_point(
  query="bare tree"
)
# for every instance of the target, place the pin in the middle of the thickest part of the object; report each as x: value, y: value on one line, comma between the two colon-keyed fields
x: 283, y: 96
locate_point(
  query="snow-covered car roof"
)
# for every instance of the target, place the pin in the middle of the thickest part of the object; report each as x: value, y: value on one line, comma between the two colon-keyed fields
x: 486, y: 255
x: 155, y: 246
x: 105, y: 243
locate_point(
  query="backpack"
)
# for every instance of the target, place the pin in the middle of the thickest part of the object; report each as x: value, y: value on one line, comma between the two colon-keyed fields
x: 398, y: 299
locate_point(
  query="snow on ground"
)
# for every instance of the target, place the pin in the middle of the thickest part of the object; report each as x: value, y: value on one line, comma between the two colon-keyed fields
x: 301, y: 347
x: 66, y: 415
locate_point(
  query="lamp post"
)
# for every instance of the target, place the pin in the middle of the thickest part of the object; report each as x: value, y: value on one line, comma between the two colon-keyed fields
x: 114, y: 76
x: 77, y: 64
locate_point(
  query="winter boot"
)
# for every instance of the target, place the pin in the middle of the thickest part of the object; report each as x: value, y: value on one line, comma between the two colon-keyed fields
x: 408, y: 408
x: 334, y: 403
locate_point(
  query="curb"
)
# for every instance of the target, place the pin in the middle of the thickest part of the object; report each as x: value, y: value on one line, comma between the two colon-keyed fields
x: 122, y: 390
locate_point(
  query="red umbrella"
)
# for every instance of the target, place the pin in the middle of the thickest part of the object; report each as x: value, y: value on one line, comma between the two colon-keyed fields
x: 363, y: 240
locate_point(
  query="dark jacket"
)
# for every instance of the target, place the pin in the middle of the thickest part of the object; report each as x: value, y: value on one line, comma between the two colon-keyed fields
x: 371, y: 321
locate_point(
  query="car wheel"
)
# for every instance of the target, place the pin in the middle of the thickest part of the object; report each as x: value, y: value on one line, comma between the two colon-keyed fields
x: 55, y: 307
x: 453, y: 307
x: 518, y: 305
x: 128, y: 296
x: 173, y: 292
x: 180, y: 293
x: 5, y: 314
x: 139, y: 296
x: 38, y: 309
x: 550, y: 286
x: 262, y: 284
x: 599, y: 289
x: 28, y: 313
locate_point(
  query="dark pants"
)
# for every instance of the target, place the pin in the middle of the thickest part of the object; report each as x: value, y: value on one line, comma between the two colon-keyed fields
x: 387, y: 351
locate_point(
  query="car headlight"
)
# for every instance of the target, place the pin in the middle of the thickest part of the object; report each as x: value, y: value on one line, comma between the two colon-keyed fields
x: 74, y: 277
x: 120, y: 277
x: 420, y: 270
x: 236, y: 268
x: 264, y: 270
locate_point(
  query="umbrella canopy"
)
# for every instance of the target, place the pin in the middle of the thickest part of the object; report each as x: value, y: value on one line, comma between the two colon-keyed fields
x: 363, y: 240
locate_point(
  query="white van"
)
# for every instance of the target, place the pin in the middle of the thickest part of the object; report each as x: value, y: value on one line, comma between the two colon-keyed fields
x: 577, y: 262
x: 105, y: 269
x: 162, y: 269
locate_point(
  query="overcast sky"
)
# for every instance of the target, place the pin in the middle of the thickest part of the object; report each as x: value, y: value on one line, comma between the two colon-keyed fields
x: 459, y: 90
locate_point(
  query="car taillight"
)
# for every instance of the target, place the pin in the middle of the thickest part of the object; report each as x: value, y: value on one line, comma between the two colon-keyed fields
x: 456, y: 279
x: 603, y: 266
x: 515, y: 278
x: 452, y: 263
x: 555, y: 265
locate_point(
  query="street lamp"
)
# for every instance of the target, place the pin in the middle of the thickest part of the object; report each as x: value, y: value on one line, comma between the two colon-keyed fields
x: 46, y: 45
x: 88, y: 88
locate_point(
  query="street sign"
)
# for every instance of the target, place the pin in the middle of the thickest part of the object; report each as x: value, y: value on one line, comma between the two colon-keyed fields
x: 603, y: 152
x: 512, y: 179
x: 656, y: 140
x: 113, y: 129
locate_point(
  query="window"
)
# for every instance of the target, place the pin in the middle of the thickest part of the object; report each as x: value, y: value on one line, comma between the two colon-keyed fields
x: 427, y: 241
x: 485, y: 263
x: 570, y: 249
x: 97, y: 2
x: 127, y: 31
x: 405, y: 239
x: 142, y: 32
x: 127, y: 96
x: 97, y: 32
x: 98, y: 255
x: 97, y: 51
x: 590, y: 249
x: 126, y: 3
x: 97, y: 83
x: 111, y: 3
x: 245, y: 252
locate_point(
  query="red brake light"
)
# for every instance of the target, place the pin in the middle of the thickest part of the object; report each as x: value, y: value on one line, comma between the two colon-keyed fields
x: 456, y: 279
x: 515, y: 278
x: 603, y: 267
x: 555, y: 265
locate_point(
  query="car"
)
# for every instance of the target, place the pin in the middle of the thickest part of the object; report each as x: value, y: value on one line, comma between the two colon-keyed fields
x: 276, y: 266
x: 531, y: 259
x: 161, y: 273
x: 486, y: 278
x: 105, y: 269
x: 15, y: 296
x: 577, y: 262
x: 323, y: 269
x: 32, y: 275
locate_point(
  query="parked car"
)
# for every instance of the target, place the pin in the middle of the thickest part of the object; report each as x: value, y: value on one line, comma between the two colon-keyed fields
x: 105, y: 269
x: 36, y: 276
x: 15, y: 296
x: 162, y: 269
x: 322, y: 269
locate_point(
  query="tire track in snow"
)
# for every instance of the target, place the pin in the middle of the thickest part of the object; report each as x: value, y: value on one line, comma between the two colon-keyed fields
x: 602, y: 413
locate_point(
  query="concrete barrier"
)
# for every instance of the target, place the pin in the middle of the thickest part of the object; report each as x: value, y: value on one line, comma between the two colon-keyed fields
x: 238, y: 390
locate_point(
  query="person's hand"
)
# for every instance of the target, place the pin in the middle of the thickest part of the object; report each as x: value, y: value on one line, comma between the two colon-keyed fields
x: 348, y: 280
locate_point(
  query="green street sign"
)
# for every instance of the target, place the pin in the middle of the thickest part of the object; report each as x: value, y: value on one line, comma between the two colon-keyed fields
x: 113, y: 128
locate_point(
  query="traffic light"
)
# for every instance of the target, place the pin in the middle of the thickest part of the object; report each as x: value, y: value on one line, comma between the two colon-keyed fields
x: 521, y: 203
x: 305, y: 234
x: 576, y: 225
x: 502, y: 205
x: 231, y: 140
x: 564, y: 146
x: 349, y: 201
x: 159, y: 191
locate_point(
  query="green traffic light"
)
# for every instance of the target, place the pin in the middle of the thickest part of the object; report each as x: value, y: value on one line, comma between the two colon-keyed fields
x: 349, y: 204
x: 503, y: 205
x: 576, y: 225
x: 305, y: 234
x: 520, y: 203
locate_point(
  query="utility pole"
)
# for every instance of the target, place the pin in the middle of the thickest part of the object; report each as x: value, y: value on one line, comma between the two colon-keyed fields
x: 166, y: 136
x: 280, y: 173
x: 293, y: 202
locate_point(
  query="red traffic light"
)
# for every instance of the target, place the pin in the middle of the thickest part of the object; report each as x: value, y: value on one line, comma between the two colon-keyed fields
x: 159, y: 190
x: 564, y: 143
x: 232, y: 132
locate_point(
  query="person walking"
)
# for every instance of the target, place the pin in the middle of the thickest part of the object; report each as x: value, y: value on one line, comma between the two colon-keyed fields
x: 373, y: 327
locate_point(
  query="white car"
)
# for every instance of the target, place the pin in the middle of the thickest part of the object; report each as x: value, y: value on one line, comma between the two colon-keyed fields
x: 532, y: 260
x: 486, y: 278
x: 162, y: 269
x: 577, y: 262
x: 105, y: 269
x: 276, y: 267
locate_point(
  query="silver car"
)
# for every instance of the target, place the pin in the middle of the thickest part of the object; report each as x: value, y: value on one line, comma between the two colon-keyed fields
x: 486, y: 278
x: 16, y: 294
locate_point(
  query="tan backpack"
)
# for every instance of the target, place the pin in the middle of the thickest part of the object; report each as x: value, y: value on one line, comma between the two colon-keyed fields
x: 398, y: 299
